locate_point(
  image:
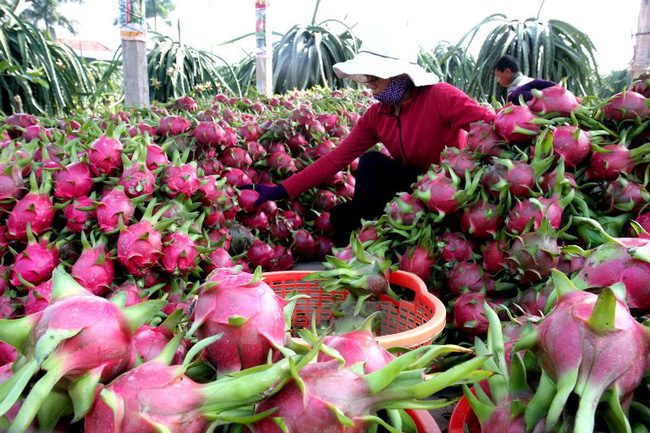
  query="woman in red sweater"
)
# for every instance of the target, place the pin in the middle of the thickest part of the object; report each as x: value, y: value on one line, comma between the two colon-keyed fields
x: 415, y: 119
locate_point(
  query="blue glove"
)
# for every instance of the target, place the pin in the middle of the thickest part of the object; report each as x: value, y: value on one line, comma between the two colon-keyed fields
x: 276, y: 192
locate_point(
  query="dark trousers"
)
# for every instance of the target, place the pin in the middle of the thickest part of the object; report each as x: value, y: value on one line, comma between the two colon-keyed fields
x: 377, y: 180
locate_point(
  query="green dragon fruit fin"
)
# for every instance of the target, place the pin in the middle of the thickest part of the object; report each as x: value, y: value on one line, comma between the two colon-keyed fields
x: 56, y: 404
x: 64, y: 285
x: 16, y: 331
x: 82, y: 392
x: 602, y: 318
x: 137, y: 314
x: 562, y: 284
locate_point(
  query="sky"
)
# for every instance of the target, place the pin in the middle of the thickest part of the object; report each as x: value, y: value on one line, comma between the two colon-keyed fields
x: 207, y: 24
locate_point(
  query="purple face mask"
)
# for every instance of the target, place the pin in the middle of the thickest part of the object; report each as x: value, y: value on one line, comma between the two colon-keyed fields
x: 394, y: 92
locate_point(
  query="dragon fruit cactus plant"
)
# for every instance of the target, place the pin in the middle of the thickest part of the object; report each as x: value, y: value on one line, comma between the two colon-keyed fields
x: 159, y: 396
x: 592, y: 346
x: 253, y: 324
x: 330, y: 396
x: 78, y: 341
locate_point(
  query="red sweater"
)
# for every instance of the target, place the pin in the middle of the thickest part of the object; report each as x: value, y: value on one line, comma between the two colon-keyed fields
x: 430, y: 120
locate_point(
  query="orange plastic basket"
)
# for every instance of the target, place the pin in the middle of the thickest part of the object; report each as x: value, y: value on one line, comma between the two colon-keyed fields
x: 403, y: 324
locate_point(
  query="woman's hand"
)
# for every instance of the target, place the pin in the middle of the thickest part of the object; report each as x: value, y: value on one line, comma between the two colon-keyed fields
x: 267, y: 192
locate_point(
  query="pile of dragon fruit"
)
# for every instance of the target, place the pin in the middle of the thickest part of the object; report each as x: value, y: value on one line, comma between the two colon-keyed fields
x: 132, y: 269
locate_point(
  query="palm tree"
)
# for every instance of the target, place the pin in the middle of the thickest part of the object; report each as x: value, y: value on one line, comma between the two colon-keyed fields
x: 553, y: 50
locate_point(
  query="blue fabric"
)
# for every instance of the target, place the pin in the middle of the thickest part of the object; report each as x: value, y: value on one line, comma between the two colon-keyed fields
x: 525, y: 90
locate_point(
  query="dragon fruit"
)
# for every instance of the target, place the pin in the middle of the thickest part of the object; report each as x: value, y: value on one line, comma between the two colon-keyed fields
x: 405, y: 211
x: 554, y: 99
x: 623, y: 195
x: 34, y: 209
x: 36, y: 262
x: 115, y: 206
x: 80, y: 214
x: 456, y: 247
x: 589, y: 344
x: 252, y: 325
x: 518, y: 177
x: 458, y: 160
x: 443, y: 194
x: 38, y: 298
x: 618, y: 260
x: 172, y: 125
x: 136, y: 177
x: 139, y: 246
x: 180, y: 252
x: 468, y: 276
x: 105, y: 155
x: 74, y: 180
x: 180, y: 178
x: 326, y: 396
x: 186, y: 103
x: 608, y: 162
x: 626, y: 105
x: 494, y: 256
x: 572, y: 144
x: 419, y: 260
x: 149, y: 341
x: 533, y: 254
x: 157, y: 395
x: 18, y: 122
x: 79, y: 340
x: 515, y: 123
x: 94, y: 269
x: 536, y: 210
x: 482, y: 220
x: 156, y: 157
x: 483, y: 138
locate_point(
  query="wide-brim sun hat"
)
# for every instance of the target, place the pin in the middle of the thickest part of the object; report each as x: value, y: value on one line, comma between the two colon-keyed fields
x: 385, y: 54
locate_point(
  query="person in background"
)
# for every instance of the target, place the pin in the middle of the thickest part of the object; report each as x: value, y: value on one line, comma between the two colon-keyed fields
x: 414, y: 118
x: 508, y: 74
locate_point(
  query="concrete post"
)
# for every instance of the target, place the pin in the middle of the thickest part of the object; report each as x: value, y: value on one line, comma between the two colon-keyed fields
x: 641, y: 61
x: 134, y: 53
x: 264, y: 53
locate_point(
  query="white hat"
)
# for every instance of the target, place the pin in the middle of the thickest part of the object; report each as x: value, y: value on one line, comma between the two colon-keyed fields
x: 386, y: 54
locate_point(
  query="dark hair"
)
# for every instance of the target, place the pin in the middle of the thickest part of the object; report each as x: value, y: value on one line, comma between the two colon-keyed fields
x: 506, y: 61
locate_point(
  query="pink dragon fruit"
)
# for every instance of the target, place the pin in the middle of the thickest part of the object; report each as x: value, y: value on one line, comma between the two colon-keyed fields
x: 87, y: 341
x: 458, y: 160
x: 80, y: 214
x: 358, y: 346
x: 209, y: 133
x: 516, y: 176
x: 139, y: 246
x: 626, y: 105
x: 468, y: 277
x: 136, y: 178
x: 155, y: 393
x: 180, y: 178
x: 482, y: 220
x: 156, y: 157
x: 419, y: 260
x: 179, y: 253
x: 405, y: 211
x: 441, y: 194
x: 173, y: 125
x: 252, y: 325
x: 619, y: 260
x: 36, y: 262
x: 329, y: 394
x: 11, y: 182
x: 494, y: 256
x: 455, y: 246
x: 18, y: 122
x: 186, y: 103
x: 105, y: 156
x: 533, y: 255
x: 74, y: 180
x: 571, y: 144
x: 536, y: 210
x: 469, y: 315
x: 114, y: 207
x: 483, y: 138
x: 622, y: 195
x: 38, y: 298
x: 589, y: 344
x: 34, y: 209
x: 261, y: 254
x: 94, y: 268
x: 515, y: 124
x: 149, y: 341
x: 554, y: 99
x: 608, y: 162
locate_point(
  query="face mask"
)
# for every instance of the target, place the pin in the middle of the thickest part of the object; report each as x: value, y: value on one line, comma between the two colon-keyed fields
x: 394, y: 92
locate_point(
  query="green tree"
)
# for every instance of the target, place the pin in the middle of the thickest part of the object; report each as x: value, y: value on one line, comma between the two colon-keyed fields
x: 155, y: 9
x: 553, y: 50
x: 44, y: 13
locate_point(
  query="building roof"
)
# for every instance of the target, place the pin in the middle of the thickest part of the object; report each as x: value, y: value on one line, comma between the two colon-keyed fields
x: 88, y: 49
